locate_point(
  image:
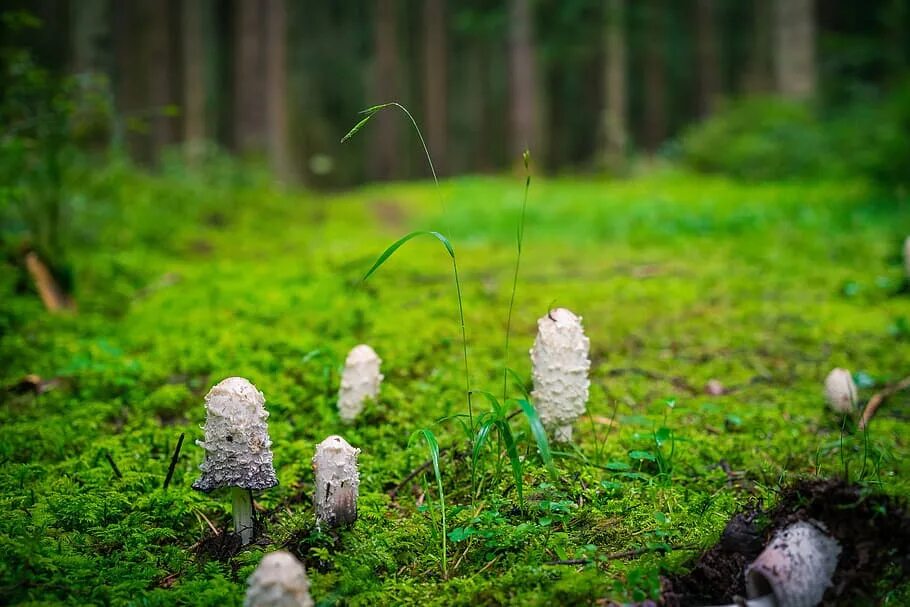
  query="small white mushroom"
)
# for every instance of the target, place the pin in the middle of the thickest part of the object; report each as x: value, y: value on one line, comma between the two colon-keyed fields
x: 279, y: 581
x: 360, y: 381
x: 238, y: 452
x: 796, y: 567
x: 337, y: 481
x: 840, y: 391
x: 560, y: 370
x: 907, y: 256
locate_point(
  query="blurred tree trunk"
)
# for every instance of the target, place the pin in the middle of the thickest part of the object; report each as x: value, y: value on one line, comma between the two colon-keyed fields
x: 523, y: 93
x: 615, y: 126
x: 709, y: 87
x: 758, y: 76
x: 249, y: 77
x: 276, y: 36
x: 90, y: 30
x: 194, y: 119
x: 147, y: 81
x: 384, y: 153
x: 435, y: 81
x: 794, y: 48
x: 655, y: 76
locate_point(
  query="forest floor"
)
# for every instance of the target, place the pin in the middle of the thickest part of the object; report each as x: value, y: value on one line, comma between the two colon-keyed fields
x: 680, y: 280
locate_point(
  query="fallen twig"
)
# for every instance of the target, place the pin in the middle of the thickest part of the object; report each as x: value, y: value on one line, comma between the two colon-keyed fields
x: 174, y: 458
x: 113, y: 464
x: 879, y: 397
x: 52, y: 295
x: 394, y: 491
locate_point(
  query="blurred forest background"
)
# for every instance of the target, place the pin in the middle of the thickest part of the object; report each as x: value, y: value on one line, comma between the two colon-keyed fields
x: 585, y: 84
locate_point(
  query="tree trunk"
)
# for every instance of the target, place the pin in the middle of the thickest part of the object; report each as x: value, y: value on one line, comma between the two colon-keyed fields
x: 523, y: 94
x: 277, y: 89
x: 794, y: 48
x: 384, y: 150
x: 615, y: 127
x: 709, y: 87
x: 758, y: 78
x: 435, y: 81
x: 655, y: 109
x: 249, y: 78
x: 163, y: 65
x: 90, y: 25
x: 194, y: 121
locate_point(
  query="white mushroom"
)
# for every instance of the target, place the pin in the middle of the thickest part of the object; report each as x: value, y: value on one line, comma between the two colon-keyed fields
x: 238, y: 451
x: 840, y: 391
x: 907, y: 256
x: 359, y: 381
x: 796, y: 567
x: 279, y: 581
x: 560, y: 371
x: 337, y: 481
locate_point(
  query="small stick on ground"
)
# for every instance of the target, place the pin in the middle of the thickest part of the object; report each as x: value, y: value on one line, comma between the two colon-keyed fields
x: 879, y: 397
x: 174, y: 458
x: 394, y: 491
x: 51, y: 294
x: 113, y: 464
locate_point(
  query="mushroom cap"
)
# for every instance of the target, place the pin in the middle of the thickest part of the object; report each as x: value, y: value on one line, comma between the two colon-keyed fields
x: 337, y: 481
x: 796, y: 566
x: 279, y: 581
x: 237, y: 446
x: 840, y: 391
x: 560, y: 371
x: 360, y: 380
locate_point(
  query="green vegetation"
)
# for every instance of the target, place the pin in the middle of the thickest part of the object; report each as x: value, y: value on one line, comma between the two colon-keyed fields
x: 188, y: 278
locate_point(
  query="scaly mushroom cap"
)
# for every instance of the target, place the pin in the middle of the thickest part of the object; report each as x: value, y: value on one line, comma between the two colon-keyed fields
x: 840, y: 391
x: 359, y: 381
x: 337, y: 482
x: 279, y: 581
x: 237, y: 447
x: 796, y: 566
x: 560, y: 371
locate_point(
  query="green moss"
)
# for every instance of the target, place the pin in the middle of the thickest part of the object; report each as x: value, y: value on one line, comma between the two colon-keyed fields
x: 185, y: 280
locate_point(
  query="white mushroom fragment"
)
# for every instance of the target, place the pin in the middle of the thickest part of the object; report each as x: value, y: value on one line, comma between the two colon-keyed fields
x: 337, y: 481
x: 238, y: 451
x: 360, y: 381
x: 279, y: 581
x: 560, y: 371
x: 907, y: 256
x: 796, y: 567
x: 840, y: 391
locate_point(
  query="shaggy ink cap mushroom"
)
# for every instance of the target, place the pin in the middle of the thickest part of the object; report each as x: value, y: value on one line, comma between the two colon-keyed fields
x: 795, y: 567
x: 237, y: 446
x: 840, y: 391
x: 560, y: 371
x: 280, y: 580
x: 360, y: 381
x: 337, y: 482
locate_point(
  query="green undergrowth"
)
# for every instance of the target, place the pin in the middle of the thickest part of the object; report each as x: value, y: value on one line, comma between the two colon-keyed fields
x: 184, y: 280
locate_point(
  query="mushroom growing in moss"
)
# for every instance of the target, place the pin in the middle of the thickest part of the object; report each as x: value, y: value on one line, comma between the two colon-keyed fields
x: 796, y: 567
x: 238, y: 451
x: 279, y: 581
x: 907, y: 257
x: 337, y: 482
x: 560, y: 371
x: 840, y: 391
x: 359, y: 381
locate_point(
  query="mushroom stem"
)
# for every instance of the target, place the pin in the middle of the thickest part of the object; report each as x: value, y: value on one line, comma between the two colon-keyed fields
x: 243, y: 514
x: 763, y: 601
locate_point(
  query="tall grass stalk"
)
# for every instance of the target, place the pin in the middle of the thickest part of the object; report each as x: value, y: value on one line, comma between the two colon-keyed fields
x: 368, y: 114
x: 433, y: 448
x: 526, y: 156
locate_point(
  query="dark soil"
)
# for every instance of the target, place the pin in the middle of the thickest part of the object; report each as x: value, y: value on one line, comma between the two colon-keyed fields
x: 873, y: 530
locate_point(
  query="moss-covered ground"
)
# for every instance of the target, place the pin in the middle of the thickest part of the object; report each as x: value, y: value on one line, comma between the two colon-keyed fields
x: 185, y: 280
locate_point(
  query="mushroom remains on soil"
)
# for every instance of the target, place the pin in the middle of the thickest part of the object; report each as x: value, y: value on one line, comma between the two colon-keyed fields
x: 238, y: 452
x: 337, y: 482
x: 360, y: 381
x: 840, y: 391
x: 560, y: 372
x: 279, y: 581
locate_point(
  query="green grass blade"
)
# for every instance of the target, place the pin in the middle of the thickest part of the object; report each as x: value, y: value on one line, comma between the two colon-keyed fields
x: 401, y: 241
x: 433, y: 447
x: 540, y: 435
x: 512, y: 451
x: 483, y: 433
x: 494, y: 402
x: 519, y: 383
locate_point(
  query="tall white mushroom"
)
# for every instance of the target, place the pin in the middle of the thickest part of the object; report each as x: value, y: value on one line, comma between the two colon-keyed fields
x: 840, y: 391
x: 279, y: 581
x: 796, y: 567
x: 337, y: 482
x: 907, y: 256
x: 359, y: 381
x: 238, y: 451
x: 560, y: 371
